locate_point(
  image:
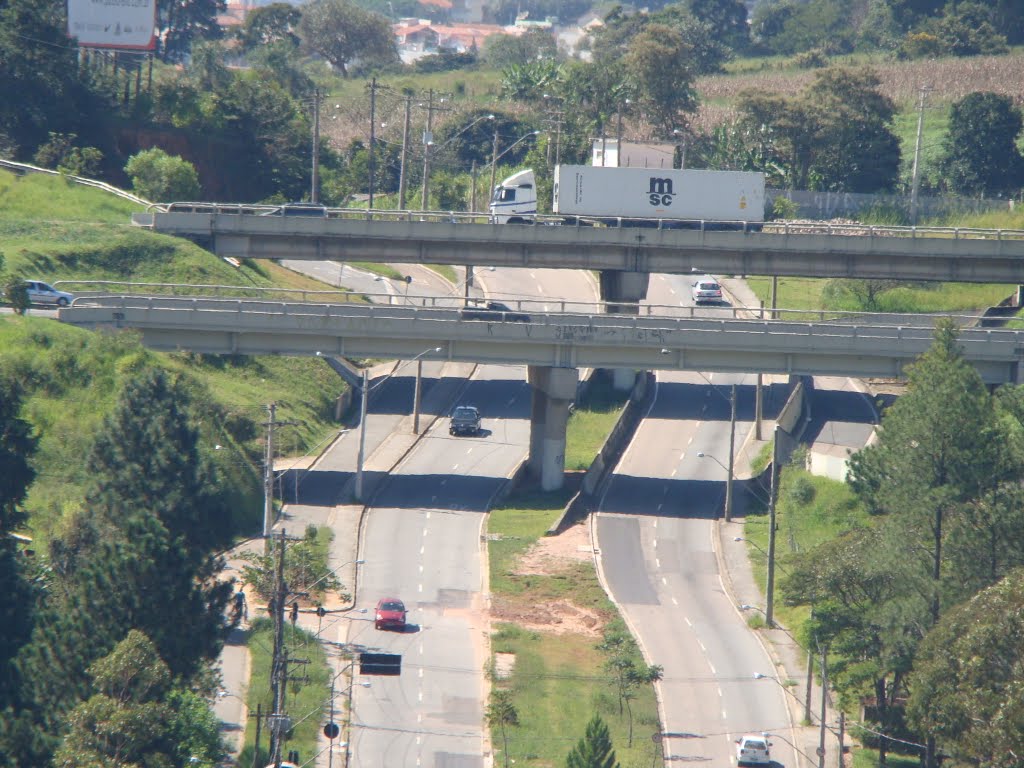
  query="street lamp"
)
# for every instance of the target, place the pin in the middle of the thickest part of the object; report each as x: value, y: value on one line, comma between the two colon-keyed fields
x: 429, y: 148
x: 364, y: 402
x: 495, y: 157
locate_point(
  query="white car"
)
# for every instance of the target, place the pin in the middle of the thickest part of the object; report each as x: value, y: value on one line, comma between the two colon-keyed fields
x: 753, y: 750
x: 44, y: 293
x: 706, y: 289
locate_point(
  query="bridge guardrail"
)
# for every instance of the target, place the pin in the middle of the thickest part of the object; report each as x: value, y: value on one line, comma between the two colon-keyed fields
x: 539, y: 307
x: 884, y: 326
x: 785, y: 228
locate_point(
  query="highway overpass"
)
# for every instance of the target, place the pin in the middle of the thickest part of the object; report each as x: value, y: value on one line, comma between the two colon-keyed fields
x: 553, y: 346
x: 784, y: 250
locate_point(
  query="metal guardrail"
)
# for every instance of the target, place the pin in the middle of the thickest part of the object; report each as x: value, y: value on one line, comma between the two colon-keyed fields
x: 533, y: 306
x: 785, y: 228
x: 807, y: 322
x: 26, y: 168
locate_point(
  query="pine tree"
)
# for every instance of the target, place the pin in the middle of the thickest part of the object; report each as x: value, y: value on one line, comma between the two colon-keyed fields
x: 594, y: 750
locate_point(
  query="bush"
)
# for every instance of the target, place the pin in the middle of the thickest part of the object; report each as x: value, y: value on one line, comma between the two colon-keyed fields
x: 816, y: 58
x: 158, y: 176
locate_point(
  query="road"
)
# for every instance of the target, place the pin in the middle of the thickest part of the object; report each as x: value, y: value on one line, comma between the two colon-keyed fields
x: 659, y: 511
x: 422, y: 543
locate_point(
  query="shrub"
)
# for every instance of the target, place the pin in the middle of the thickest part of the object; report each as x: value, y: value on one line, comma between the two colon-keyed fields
x: 156, y: 175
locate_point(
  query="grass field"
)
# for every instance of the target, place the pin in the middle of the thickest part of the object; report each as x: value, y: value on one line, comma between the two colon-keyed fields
x: 559, y: 680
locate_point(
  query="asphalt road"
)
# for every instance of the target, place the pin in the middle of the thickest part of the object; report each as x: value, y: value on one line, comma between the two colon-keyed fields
x: 422, y: 543
x: 655, y: 533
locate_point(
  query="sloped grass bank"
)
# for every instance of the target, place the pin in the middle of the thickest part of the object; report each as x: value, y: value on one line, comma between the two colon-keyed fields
x: 70, y: 379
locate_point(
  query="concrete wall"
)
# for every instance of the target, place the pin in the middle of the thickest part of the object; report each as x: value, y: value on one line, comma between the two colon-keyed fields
x: 608, y: 457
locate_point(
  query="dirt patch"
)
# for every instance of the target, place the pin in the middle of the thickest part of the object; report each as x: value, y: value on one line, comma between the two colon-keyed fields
x: 551, y: 556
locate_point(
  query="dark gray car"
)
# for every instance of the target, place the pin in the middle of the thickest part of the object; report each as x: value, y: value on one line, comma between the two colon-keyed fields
x: 465, y: 421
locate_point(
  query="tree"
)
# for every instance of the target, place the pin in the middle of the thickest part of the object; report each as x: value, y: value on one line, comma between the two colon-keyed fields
x: 967, y: 676
x: 61, y: 153
x: 726, y: 20
x: 17, y: 445
x: 502, y: 714
x: 594, y: 750
x: 180, y: 23
x: 41, y: 88
x: 342, y: 32
x: 657, y: 62
x: 268, y: 25
x: 787, y: 27
x: 836, y: 135
x: 15, y: 293
x: 967, y: 29
x: 125, y: 722
x: 980, y: 153
x: 153, y: 489
x: 157, y: 175
x: 502, y: 51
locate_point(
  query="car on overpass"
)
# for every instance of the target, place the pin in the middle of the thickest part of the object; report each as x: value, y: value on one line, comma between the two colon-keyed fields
x: 479, y: 309
x: 44, y: 293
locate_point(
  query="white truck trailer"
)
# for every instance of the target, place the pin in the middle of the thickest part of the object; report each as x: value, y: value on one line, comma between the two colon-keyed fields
x: 637, y: 197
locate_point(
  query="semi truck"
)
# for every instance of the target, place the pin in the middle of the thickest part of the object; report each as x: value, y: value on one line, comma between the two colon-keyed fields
x: 670, y: 198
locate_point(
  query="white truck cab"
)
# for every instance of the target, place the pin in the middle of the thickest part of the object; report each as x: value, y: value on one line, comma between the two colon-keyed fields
x: 514, y: 198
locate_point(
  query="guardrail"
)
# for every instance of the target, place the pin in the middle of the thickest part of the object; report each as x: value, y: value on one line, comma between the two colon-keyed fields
x: 809, y: 320
x: 540, y: 307
x: 26, y: 168
x: 785, y: 228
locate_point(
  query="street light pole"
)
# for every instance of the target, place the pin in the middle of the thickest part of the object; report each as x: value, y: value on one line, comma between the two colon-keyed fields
x: 416, y: 398
x: 770, y: 585
x: 494, y: 162
x: 732, y: 453
x: 362, y: 434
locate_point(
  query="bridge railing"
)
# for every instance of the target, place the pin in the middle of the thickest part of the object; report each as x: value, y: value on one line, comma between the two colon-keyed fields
x: 558, y: 313
x: 785, y: 228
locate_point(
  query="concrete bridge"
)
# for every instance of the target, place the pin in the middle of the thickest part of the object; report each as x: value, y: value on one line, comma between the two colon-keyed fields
x: 552, y: 346
x: 624, y: 256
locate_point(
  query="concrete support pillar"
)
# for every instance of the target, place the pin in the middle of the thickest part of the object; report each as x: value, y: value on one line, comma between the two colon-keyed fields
x: 622, y: 293
x: 553, y: 393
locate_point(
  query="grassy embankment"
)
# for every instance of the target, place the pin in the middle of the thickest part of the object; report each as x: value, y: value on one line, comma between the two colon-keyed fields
x: 559, y: 680
x: 56, y: 231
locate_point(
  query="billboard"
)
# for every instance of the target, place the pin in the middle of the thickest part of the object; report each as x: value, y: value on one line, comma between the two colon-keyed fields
x: 124, y: 24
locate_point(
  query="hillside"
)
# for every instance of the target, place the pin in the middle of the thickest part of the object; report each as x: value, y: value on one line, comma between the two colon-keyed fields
x: 62, y: 232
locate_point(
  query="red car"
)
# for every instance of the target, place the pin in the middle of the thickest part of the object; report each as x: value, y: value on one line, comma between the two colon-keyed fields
x: 390, y: 614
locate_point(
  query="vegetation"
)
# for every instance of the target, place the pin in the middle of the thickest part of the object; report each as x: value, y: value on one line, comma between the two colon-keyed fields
x: 884, y: 577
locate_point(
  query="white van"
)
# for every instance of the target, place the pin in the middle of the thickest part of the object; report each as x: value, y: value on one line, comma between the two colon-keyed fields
x: 753, y: 750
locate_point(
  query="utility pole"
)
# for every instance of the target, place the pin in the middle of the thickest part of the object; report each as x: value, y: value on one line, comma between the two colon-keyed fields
x: 402, y: 181
x: 279, y: 665
x: 363, y: 403
x: 472, y: 193
x: 758, y: 410
x: 314, y: 191
x: 824, y: 701
x: 373, y: 137
x: 428, y: 140
x: 770, y: 586
x: 494, y: 160
x: 268, y: 477
x: 915, y: 177
x: 732, y: 452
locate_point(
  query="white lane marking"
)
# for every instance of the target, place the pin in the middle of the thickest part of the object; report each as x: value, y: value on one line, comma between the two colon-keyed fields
x: 655, y: 523
x: 421, y: 668
x: 713, y: 670
x: 720, y: 694
x: 421, y: 567
x: 675, y: 471
x: 657, y: 564
x: 422, y: 550
x: 455, y: 467
x: 428, y: 514
x: 702, y: 646
x: 688, y: 622
x: 540, y: 288
x: 419, y: 588
x: 664, y: 581
x: 470, y: 451
x: 420, y: 696
x: 654, y: 542
x: 674, y: 601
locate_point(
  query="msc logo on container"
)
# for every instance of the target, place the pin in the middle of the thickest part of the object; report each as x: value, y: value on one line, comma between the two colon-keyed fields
x: 660, y: 193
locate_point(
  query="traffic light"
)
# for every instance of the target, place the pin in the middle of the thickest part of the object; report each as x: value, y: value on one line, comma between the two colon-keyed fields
x: 380, y: 664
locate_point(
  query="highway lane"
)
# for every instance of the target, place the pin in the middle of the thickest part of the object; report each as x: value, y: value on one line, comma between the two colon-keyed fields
x: 659, y: 511
x: 422, y: 542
